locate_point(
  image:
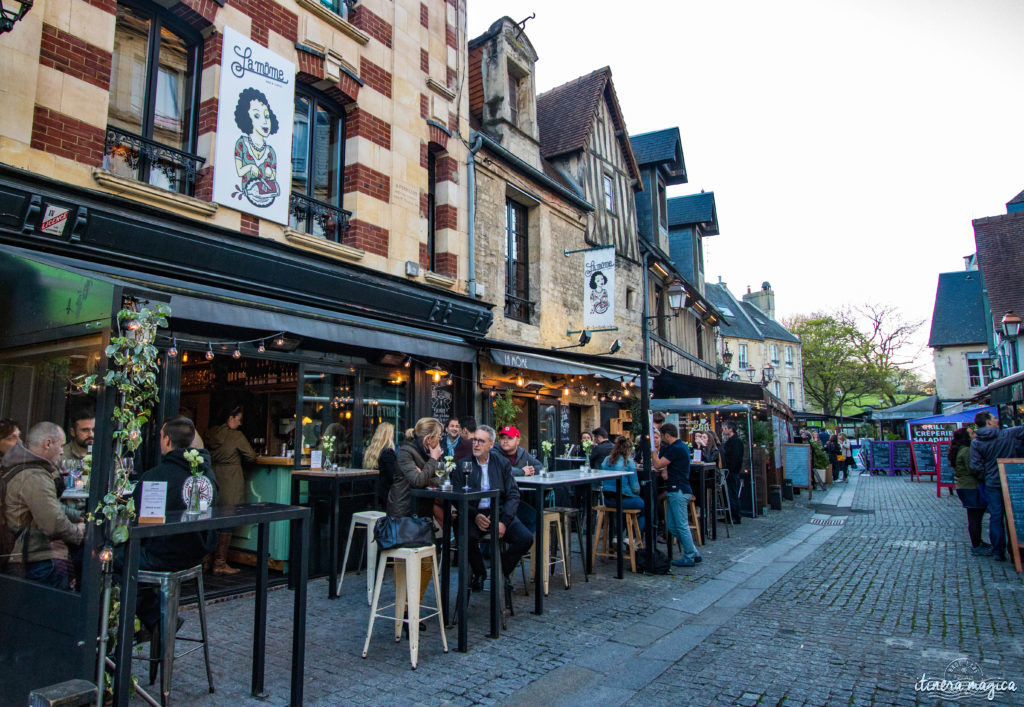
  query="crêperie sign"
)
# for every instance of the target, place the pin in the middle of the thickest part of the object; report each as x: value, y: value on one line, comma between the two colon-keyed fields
x: 1011, y: 476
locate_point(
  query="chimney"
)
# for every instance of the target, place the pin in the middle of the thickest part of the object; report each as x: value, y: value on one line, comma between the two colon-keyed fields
x: 764, y: 299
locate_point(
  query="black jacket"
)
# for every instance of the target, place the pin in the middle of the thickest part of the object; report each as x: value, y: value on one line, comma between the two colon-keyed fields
x: 992, y: 444
x: 600, y: 452
x: 732, y: 454
x: 523, y: 458
x: 499, y: 472
x: 178, y: 552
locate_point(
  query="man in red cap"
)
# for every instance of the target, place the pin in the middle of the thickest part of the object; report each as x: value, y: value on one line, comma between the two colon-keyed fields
x: 523, y: 464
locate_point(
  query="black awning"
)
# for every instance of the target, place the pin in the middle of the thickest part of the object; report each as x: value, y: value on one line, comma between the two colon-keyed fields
x: 554, y: 363
x: 677, y: 385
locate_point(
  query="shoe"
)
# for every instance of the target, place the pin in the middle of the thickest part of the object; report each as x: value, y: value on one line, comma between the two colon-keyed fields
x: 985, y: 544
x: 999, y: 558
x: 698, y: 559
x: 683, y: 562
x: 982, y: 551
x: 221, y: 567
x: 660, y: 539
x: 477, y: 583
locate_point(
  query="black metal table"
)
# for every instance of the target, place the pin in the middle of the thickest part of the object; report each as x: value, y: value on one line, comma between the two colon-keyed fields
x: 261, y: 514
x: 540, y: 484
x: 462, y: 500
x: 335, y: 478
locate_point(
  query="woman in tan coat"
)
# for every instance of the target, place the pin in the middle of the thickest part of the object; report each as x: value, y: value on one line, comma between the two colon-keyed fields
x: 228, y: 447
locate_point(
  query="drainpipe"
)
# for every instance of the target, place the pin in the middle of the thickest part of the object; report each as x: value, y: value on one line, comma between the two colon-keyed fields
x: 475, y: 142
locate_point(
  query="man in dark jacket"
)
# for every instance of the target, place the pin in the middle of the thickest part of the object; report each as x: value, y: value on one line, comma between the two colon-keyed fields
x: 175, y: 552
x: 732, y: 460
x: 990, y: 445
x: 489, y: 471
x: 523, y: 464
x: 602, y: 447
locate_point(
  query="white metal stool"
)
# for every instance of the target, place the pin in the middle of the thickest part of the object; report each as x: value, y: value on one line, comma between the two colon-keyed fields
x: 553, y: 519
x: 161, y: 648
x: 365, y: 520
x: 407, y: 562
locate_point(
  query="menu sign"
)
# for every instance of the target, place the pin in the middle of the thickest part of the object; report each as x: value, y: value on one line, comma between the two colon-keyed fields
x: 924, y: 458
x: 1011, y: 474
x: 933, y: 432
x: 901, y: 456
x: 796, y: 464
x: 881, y: 455
x: 441, y: 401
x: 945, y: 475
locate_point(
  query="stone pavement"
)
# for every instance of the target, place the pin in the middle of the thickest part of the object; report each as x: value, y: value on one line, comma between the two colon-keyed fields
x: 849, y: 597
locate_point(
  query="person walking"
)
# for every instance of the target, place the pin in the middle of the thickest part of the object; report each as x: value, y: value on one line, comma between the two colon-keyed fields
x: 846, y: 452
x: 229, y: 447
x: 989, y: 445
x: 972, y: 494
x: 674, y: 464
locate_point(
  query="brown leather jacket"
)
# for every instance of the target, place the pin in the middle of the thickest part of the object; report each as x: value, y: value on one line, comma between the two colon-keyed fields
x: 32, y: 502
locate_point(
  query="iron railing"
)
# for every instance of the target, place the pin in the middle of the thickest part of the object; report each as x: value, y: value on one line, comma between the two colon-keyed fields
x: 129, y: 155
x: 317, y: 218
x: 519, y: 308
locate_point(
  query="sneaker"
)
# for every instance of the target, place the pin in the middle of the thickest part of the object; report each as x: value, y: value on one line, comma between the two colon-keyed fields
x: 999, y: 558
x: 982, y: 551
x: 985, y: 544
x: 683, y: 562
x: 698, y: 559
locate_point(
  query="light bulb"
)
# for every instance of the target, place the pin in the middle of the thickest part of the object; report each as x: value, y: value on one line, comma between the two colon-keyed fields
x: 173, y: 351
x: 236, y: 354
x: 565, y: 392
x: 437, y: 377
x: 184, y: 357
x: 209, y: 352
x: 279, y: 341
x: 261, y: 348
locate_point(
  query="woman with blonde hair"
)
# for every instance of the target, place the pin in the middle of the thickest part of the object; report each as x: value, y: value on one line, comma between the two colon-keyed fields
x: 380, y: 455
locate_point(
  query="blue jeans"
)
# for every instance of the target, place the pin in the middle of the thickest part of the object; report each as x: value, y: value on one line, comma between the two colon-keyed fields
x: 51, y: 572
x: 678, y: 523
x: 628, y: 503
x: 997, y: 514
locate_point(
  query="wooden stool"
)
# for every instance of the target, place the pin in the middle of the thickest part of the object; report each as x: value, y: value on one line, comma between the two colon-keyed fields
x: 554, y: 520
x: 161, y: 647
x: 365, y: 520
x: 603, y: 533
x: 722, y: 495
x: 407, y: 562
x: 695, y: 523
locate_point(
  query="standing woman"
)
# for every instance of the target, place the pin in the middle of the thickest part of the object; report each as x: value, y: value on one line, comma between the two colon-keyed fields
x: 846, y: 450
x: 229, y: 447
x: 380, y: 455
x: 972, y: 495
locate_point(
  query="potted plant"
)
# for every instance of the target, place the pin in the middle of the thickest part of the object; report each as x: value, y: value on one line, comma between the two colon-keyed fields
x: 505, y: 410
x: 819, y: 459
x: 546, y: 447
x: 588, y: 446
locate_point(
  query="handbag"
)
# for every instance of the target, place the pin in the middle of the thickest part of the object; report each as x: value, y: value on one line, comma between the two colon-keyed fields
x: 403, y: 531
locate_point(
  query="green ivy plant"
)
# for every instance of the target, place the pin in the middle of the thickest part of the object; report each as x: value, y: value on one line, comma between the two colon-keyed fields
x: 505, y: 409
x: 132, y: 371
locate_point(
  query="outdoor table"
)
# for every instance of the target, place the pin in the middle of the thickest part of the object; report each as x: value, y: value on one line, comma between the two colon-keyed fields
x: 78, y: 493
x: 566, y: 463
x: 462, y: 500
x: 570, y: 478
x: 335, y: 478
x: 261, y: 514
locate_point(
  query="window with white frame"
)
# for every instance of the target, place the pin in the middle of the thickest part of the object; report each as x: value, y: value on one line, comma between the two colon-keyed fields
x: 777, y: 389
x: 791, y: 393
x: 789, y: 355
x: 609, y: 194
x: 742, y: 356
x: 774, y: 349
x: 978, y: 370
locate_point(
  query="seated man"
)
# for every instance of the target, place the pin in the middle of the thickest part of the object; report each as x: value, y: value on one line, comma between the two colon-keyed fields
x: 35, y: 517
x: 523, y: 464
x: 174, y: 552
x: 83, y: 432
x: 488, y: 471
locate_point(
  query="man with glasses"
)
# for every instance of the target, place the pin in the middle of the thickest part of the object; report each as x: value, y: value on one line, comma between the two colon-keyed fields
x: 487, y: 471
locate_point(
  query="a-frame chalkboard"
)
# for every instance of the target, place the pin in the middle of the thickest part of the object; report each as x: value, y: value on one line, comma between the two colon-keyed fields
x: 796, y: 465
x: 1011, y: 477
x: 924, y: 459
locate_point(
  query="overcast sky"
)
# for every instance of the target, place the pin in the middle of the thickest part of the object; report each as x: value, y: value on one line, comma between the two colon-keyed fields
x: 849, y: 144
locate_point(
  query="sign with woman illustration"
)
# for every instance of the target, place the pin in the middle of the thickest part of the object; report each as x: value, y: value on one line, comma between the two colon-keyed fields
x: 254, y: 127
x: 599, y: 288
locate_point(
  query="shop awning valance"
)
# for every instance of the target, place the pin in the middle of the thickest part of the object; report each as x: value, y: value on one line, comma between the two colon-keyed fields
x: 960, y: 417
x: 554, y: 364
x: 677, y: 385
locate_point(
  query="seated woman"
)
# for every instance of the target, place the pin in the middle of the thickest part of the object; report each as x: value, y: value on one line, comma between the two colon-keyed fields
x: 621, y: 459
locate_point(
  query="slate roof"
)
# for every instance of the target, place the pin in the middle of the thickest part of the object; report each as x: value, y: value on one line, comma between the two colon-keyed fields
x: 691, y: 209
x: 1019, y: 199
x: 662, y: 148
x: 959, y: 314
x: 566, y: 115
x: 744, y: 320
x: 1000, y: 244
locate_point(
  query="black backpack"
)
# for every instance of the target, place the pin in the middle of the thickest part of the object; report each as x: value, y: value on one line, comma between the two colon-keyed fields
x: 660, y: 564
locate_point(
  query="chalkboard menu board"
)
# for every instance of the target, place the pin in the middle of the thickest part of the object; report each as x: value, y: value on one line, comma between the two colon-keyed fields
x: 441, y: 401
x: 564, y: 423
x: 881, y: 455
x: 1011, y: 474
x: 924, y: 458
x: 796, y: 463
x: 945, y: 476
x: 901, y: 456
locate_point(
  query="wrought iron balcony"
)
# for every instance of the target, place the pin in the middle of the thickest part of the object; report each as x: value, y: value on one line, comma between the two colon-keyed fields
x: 519, y: 308
x: 129, y: 155
x: 317, y: 218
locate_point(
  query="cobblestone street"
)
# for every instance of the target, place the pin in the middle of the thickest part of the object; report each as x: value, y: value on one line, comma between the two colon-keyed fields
x: 848, y: 599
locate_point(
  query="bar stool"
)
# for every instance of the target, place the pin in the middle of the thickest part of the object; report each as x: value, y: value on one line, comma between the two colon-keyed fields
x: 722, y: 494
x: 161, y: 647
x: 365, y: 520
x: 603, y: 533
x: 695, y: 523
x: 554, y: 520
x: 407, y: 562
x: 568, y: 516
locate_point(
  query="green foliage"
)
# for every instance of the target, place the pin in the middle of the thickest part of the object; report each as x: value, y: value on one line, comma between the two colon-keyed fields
x: 637, y: 425
x: 763, y: 434
x: 819, y: 459
x: 892, y: 436
x: 505, y: 409
x: 865, y: 430
x: 834, y: 371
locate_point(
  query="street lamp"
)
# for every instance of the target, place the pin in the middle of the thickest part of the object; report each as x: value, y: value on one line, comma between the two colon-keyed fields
x: 767, y: 373
x: 750, y: 372
x: 12, y: 12
x: 676, y: 291
x: 1011, y: 330
x: 727, y: 357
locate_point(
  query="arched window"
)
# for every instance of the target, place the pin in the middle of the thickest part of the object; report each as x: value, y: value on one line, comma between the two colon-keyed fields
x: 318, y: 165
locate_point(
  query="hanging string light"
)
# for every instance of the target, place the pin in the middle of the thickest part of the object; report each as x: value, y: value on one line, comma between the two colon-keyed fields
x: 209, y: 351
x: 236, y: 354
x: 173, y: 350
x: 519, y: 379
x: 262, y: 348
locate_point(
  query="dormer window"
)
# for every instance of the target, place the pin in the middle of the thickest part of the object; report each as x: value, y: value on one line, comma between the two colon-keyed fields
x: 513, y: 99
x: 662, y: 206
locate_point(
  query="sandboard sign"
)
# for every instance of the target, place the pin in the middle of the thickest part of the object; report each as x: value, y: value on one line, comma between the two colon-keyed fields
x: 924, y: 459
x: 880, y: 451
x: 945, y: 478
x: 796, y: 465
x: 901, y: 456
x: 1011, y: 478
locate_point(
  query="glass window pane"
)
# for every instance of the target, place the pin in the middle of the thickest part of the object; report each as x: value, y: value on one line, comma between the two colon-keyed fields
x: 173, y: 95
x: 327, y: 403
x: 128, y: 77
x: 326, y: 136
x: 385, y: 400
x: 300, y: 146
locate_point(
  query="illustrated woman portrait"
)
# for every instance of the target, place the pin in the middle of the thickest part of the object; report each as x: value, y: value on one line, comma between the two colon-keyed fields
x: 598, y: 293
x: 255, y: 159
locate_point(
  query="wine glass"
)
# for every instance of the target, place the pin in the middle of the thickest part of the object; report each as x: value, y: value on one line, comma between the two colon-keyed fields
x: 467, y: 469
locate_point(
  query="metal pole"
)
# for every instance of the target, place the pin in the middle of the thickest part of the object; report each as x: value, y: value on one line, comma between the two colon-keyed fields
x: 645, y: 407
x: 750, y: 451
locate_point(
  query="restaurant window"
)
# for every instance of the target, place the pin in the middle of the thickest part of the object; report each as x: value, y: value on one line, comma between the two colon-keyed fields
x: 978, y: 370
x: 609, y: 193
x: 774, y: 348
x: 789, y: 355
x: 318, y: 159
x: 327, y: 411
x: 517, y: 263
x: 791, y: 393
x: 386, y: 399
x: 742, y: 356
x: 154, y: 91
